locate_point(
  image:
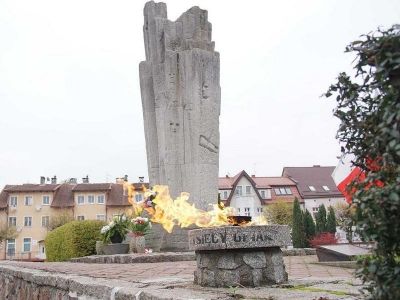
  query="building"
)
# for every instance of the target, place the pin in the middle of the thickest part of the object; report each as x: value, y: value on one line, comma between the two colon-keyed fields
x: 250, y: 194
x: 315, y: 185
x: 31, y: 207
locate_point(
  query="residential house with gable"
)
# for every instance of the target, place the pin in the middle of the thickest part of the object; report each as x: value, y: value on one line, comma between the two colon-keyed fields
x: 316, y: 186
x: 250, y: 194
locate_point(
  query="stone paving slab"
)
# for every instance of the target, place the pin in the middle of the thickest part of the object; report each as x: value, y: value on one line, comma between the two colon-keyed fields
x: 136, y: 258
x: 165, y: 257
x: 174, y: 280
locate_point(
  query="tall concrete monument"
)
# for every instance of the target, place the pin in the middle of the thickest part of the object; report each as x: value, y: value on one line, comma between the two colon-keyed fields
x: 181, y: 100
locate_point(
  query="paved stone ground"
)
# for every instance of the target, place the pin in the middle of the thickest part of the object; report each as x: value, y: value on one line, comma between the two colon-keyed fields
x: 298, y: 267
x: 306, y: 280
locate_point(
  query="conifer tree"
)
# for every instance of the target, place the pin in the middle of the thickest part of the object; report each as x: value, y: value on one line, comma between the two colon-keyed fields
x: 331, y: 220
x: 320, y: 219
x: 298, y: 233
x: 309, y: 226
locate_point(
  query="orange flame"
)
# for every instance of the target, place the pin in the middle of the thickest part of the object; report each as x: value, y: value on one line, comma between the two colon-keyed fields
x: 170, y: 212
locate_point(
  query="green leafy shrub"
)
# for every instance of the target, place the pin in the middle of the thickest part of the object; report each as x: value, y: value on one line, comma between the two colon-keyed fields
x: 368, y: 107
x: 74, y: 239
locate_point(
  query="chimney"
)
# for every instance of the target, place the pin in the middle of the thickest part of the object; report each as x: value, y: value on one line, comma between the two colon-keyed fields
x: 141, y: 179
x: 42, y: 180
x: 126, y: 178
x: 73, y: 180
x: 85, y: 179
x: 54, y: 180
x: 226, y: 176
x: 253, y: 176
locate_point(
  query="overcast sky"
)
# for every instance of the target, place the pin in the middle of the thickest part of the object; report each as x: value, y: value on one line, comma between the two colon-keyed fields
x: 70, y: 96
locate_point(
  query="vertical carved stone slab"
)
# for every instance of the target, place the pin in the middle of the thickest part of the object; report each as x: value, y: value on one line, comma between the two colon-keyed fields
x: 181, y: 100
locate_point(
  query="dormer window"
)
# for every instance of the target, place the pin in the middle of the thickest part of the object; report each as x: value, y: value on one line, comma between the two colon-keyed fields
x: 312, y: 188
x: 325, y: 187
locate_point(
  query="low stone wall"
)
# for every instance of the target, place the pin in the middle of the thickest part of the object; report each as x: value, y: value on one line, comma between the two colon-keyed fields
x: 299, y: 251
x: 25, y: 284
x: 136, y: 258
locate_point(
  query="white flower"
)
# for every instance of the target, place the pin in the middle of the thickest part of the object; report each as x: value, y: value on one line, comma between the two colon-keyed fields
x: 123, y: 218
x: 111, y: 224
x: 104, y: 229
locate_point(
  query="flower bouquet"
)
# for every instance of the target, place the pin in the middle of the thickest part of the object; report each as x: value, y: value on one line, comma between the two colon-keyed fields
x: 140, y: 226
x: 116, y: 230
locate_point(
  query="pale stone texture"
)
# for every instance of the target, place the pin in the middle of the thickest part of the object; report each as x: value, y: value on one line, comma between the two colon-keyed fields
x: 231, y: 237
x: 181, y: 103
x: 239, y: 256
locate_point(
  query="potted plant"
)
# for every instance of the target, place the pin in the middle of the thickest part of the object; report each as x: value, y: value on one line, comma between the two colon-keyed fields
x: 140, y: 226
x: 113, y: 234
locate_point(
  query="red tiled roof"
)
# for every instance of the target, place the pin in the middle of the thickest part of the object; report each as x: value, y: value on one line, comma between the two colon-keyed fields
x: 3, y: 198
x: 261, y: 182
x: 64, y: 196
x: 32, y: 188
x: 92, y: 187
x: 116, y: 196
x: 267, y: 182
x: 317, y: 177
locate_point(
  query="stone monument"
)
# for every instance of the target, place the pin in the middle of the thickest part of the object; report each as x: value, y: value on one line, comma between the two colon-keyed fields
x: 239, y: 256
x: 181, y: 101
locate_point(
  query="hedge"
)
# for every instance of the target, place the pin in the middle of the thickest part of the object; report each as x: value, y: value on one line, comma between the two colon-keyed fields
x: 74, y: 239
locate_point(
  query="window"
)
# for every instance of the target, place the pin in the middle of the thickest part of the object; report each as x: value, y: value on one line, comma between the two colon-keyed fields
x: 12, y: 221
x: 81, y: 199
x: 45, y: 221
x: 259, y: 209
x: 11, y: 247
x: 80, y: 218
x: 225, y: 194
x: 90, y: 199
x: 248, y: 189
x: 138, y: 197
x: 101, y: 217
x: 28, y: 221
x: 315, y: 209
x: 263, y: 194
x: 27, y: 245
x: 312, y: 188
x: 13, y: 201
x: 239, y: 190
x: 238, y: 209
x: 100, y: 199
x: 46, y: 200
x: 285, y: 190
x: 326, y: 188
x: 247, y: 211
x: 28, y: 200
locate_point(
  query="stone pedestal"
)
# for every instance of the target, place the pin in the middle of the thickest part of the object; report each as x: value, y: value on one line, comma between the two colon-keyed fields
x: 249, y: 268
x: 239, y: 256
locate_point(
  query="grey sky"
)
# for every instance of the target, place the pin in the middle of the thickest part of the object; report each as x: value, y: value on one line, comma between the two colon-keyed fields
x: 70, y: 97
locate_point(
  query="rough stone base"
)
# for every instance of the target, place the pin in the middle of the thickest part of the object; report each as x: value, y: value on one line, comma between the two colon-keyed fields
x: 241, y: 267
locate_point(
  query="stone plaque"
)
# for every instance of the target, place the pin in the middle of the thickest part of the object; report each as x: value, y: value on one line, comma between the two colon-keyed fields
x: 239, y: 237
